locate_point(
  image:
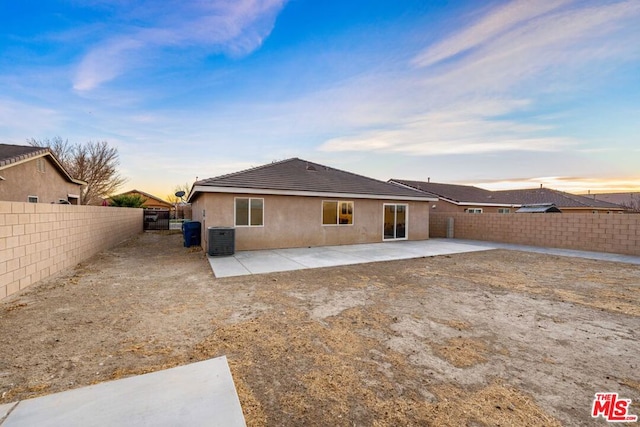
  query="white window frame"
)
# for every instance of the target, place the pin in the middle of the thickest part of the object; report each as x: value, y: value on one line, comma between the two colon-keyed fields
x: 406, y: 221
x: 504, y: 210
x: 235, y: 217
x: 33, y: 197
x: 473, y: 210
x: 338, y: 202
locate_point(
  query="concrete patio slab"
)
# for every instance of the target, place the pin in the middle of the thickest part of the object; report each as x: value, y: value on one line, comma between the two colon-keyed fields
x: 264, y: 262
x: 269, y: 261
x: 319, y: 257
x: 5, y: 409
x: 199, y: 394
x: 600, y: 256
x: 228, y: 266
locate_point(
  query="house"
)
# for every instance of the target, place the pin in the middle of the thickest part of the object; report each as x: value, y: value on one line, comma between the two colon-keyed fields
x: 466, y: 198
x: 566, y: 202
x: 459, y: 198
x: 34, y: 174
x: 630, y: 200
x: 297, y: 203
x: 151, y: 202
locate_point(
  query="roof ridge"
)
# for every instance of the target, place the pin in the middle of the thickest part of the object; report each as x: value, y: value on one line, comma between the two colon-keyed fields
x: 227, y: 175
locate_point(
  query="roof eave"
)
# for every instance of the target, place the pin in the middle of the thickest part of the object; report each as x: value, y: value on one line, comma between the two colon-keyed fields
x: 241, y: 190
x: 501, y: 205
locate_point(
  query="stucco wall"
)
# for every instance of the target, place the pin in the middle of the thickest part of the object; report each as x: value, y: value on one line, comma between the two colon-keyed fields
x: 23, y: 180
x: 38, y: 240
x: 294, y: 221
x: 615, y: 233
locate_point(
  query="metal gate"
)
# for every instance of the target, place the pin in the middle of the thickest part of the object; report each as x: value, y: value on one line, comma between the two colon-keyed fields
x: 156, y: 220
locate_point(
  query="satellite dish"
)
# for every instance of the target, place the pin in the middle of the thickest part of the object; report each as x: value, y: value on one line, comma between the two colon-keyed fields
x: 180, y: 194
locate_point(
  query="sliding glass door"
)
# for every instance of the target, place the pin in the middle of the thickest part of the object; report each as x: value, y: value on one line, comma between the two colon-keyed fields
x: 395, y: 222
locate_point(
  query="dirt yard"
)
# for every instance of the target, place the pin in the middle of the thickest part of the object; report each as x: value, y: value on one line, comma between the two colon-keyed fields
x: 486, y: 338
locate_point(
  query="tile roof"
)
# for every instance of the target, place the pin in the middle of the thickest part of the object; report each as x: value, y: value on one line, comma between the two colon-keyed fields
x: 10, y: 154
x: 298, y: 175
x: 453, y: 192
x: 15, y: 153
x: 466, y: 194
x: 561, y: 199
x: 628, y: 198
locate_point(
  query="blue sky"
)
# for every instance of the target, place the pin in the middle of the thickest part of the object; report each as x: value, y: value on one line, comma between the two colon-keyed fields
x: 495, y: 93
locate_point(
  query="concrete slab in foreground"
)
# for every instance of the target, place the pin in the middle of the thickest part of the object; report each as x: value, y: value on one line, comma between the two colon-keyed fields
x: 199, y: 394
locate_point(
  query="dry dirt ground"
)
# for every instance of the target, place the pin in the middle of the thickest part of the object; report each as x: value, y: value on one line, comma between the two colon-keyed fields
x: 486, y: 338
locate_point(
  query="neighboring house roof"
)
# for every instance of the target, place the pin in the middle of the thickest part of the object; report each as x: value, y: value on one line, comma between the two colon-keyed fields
x: 629, y: 199
x: 458, y: 194
x: 559, y: 198
x: 473, y: 196
x: 300, y: 177
x: 148, y: 196
x: 12, y: 155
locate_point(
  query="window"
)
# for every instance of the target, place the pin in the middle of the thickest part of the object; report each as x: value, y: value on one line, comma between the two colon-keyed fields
x: 504, y: 210
x: 32, y: 199
x: 249, y: 212
x: 337, y: 213
x: 473, y: 210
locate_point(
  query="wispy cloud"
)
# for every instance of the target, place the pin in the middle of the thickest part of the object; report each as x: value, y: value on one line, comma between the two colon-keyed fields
x: 15, y: 129
x: 571, y: 184
x: 557, y: 46
x: 464, y: 129
x: 235, y: 28
x: 492, y: 25
x: 530, y: 51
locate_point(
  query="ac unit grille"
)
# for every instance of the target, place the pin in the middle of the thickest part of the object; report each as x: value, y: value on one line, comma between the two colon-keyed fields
x: 222, y: 241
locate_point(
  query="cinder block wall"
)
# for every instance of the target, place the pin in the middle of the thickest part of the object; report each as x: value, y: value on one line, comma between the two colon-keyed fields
x: 615, y: 233
x: 38, y: 240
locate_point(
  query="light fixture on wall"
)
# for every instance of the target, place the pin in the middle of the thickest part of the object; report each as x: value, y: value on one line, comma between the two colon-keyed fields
x: 433, y: 207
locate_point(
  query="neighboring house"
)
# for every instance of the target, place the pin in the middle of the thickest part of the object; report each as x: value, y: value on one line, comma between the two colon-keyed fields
x: 151, y: 201
x: 466, y: 198
x: 459, y: 198
x: 296, y: 203
x: 628, y: 200
x: 34, y: 174
x: 566, y: 202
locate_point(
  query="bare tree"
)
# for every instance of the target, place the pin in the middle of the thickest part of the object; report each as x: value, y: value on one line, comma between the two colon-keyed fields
x: 94, y: 162
x: 62, y: 149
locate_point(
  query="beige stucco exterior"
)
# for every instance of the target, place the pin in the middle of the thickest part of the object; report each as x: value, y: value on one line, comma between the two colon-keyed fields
x: 296, y: 221
x: 24, y: 180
